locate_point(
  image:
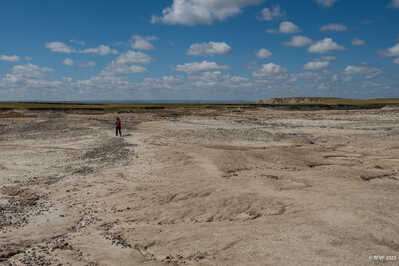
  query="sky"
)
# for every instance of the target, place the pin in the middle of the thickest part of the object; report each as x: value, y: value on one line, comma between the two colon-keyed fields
x: 198, y: 49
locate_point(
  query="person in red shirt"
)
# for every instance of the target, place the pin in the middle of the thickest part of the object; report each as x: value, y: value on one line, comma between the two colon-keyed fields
x: 118, y: 126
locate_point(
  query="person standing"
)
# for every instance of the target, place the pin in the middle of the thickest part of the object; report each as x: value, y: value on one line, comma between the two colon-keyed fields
x: 118, y: 127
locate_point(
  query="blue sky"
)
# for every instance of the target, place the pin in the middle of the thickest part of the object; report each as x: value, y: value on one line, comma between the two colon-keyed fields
x: 198, y: 49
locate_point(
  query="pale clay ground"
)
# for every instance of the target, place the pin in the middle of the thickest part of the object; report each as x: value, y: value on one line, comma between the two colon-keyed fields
x: 258, y: 187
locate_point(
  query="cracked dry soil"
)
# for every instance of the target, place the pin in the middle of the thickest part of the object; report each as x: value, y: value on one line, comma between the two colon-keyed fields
x: 259, y: 187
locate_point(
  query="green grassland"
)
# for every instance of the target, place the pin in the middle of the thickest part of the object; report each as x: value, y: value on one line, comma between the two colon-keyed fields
x: 169, y: 109
x: 186, y: 108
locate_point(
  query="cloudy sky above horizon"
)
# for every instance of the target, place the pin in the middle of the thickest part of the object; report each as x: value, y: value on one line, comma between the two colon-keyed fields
x: 198, y: 49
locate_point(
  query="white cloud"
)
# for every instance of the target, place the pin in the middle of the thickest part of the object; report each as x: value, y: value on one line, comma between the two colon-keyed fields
x: 28, y: 76
x: 100, y: 50
x: 328, y: 58
x: 114, y: 74
x: 367, y: 71
x: 115, y: 69
x: 209, y: 76
x: 216, y: 79
x: 142, y: 43
x: 59, y: 47
x: 309, y: 75
x: 269, y: 70
x: 324, y: 46
x: 239, y: 79
x: 68, y: 62
x: 396, y: 61
x: 391, y: 52
x: 67, y: 79
x: 394, y: 4
x: 88, y: 64
x: 358, y: 42
x: 263, y: 53
x: 9, y: 58
x: 286, y: 27
x: 81, y: 43
x: 131, y: 57
x: 210, y: 48
x: 355, y: 70
x: 200, y: 67
x: 193, y: 12
x: 317, y: 65
x: 298, y: 41
x: 268, y: 14
x: 165, y: 82
x: 343, y: 78
x: 333, y: 27
x: 29, y: 71
x: 28, y: 58
x: 326, y: 3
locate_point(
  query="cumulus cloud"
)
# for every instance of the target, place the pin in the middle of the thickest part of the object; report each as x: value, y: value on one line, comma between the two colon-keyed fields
x: 193, y: 12
x: 373, y: 84
x: 394, y: 4
x: 391, y: 52
x: 68, y: 62
x: 324, y: 46
x: 326, y: 3
x: 28, y: 58
x: 200, y: 67
x: 81, y: 43
x: 343, y: 78
x: 333, y: 27
x: 317, y: 65
x: 367, y: 71
x: 9, y: 58
x: 114, y: 74
x: 269, y: 70
x: 328, y: 58
x: 263, y: 53
x: 165, y: 82
x: 88, y: 64
x: 358, y: 42
x: 100, y: 50
x: 29, y: 71
x: 210, y: 48
x: 131, y: 57
x: 143, y: 43
x: 28, y: 76
x: 298, y: 41
x: 216, y: 79
x: 115, y: 69
x: 59, y: 47
x: 269, y: 14
x: 286, y: 27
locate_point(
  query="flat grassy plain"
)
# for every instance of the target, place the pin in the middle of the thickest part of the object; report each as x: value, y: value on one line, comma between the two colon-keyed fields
x: 166, y: 109
x: 185, y: 108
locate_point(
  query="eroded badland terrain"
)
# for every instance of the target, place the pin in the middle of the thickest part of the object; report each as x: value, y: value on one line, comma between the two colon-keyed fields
x: 232, y: 187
